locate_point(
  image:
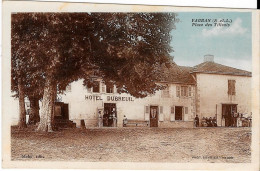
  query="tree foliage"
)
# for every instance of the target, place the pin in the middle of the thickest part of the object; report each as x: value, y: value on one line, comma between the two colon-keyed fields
x: 54, y: 49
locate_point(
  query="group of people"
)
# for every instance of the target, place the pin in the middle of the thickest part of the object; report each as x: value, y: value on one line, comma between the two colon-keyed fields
x: 238, y: 120
x: 107, y: 120
x: 233, y: 120
x: 206, y: 122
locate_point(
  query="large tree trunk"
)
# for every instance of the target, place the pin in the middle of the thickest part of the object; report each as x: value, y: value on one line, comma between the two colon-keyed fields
x: 47, y: 114
x: 22, y: 112
x: 34, y: 116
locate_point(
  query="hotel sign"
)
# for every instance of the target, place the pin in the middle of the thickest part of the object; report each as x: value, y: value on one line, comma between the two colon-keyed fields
x: 109, y: 98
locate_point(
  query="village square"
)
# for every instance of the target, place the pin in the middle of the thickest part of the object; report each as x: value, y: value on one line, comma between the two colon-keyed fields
x: 115, y: 87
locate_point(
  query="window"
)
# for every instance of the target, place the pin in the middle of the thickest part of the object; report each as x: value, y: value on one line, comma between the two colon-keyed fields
x: 178, y: 92
x: 231, y: 87
x: 96, y: 87
x: 184, y: 91
x: 189, y: 91
x: 166, y: 92
x: 110, y: 88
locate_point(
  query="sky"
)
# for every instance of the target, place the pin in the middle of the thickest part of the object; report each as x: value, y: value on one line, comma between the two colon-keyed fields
x: 231, y: 44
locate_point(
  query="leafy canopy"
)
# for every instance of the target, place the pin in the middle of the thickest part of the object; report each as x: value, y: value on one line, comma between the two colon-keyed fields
x: 124, y: 48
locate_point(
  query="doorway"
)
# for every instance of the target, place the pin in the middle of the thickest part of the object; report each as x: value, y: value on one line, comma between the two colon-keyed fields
x: 227, y: 113
x: 110, y: 115
x: 153, y: 116
x: 178, y: 113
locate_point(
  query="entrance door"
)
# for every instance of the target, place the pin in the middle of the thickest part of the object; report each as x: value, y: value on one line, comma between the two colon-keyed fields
x: 154, y: 116
x: 227, y: 112
x: 109, y: 113
x: 178, y: 113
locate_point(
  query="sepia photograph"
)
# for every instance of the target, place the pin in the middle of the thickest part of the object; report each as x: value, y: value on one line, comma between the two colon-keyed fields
x: 162, y: 86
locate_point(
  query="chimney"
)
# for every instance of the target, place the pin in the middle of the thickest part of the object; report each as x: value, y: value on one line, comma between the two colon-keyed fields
x: 208, y: 58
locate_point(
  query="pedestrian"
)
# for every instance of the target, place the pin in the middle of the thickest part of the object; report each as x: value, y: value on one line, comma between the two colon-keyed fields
x: 100, y: 119
x: 124, y: 121
x: 214, y: 122
x: 114, y: 118
x: 235, y: 119
x: 197, y: 121
x: 207, y: 121
x: 210, y: 122
x: 232, y: 119
x: 203, y: 122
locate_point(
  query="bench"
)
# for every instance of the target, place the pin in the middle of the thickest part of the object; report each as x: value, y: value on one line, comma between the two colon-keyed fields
x: 135, y: 123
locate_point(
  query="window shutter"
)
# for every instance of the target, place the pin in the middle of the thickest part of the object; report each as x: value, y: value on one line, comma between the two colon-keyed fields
x: 146, y: 113
x: 103, y: 87
x: 234, y: 87
x: 161, y: 109
x: 185, y: 113
x: 190, y: 91
x: 161, y: 114
x: 186, y: 110
x: 114, y: 89
x: 178, y: 91
x: 172, y: 115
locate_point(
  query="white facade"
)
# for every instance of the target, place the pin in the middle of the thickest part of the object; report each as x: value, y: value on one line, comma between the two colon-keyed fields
x: 84, y: 104
x: 212, y: 92
x: 207, y: 90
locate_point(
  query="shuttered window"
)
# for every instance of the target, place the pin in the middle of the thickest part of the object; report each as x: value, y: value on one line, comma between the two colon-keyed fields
x: 109, y: 88
x: 231, y: 87
x: 96, y: 87
x: 190, y: 91
x: 166, y: 92
x: 178, y: 93
x: 184, y: 91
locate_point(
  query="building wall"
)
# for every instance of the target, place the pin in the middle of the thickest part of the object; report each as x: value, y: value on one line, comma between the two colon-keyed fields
x: 212, y: 91
x: 84, y: 104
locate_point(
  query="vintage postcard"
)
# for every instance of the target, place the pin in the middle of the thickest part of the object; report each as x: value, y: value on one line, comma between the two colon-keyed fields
x: 100, y: 86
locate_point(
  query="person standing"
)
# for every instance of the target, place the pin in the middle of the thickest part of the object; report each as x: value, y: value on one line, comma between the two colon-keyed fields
x: 214, y: 122
x: 197, y: 121
x: 114, y: 118
x: 100, y: 119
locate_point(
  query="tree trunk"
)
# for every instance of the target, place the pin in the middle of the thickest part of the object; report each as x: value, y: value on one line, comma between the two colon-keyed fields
x: 22, y: 112
x: 47, y: 114
x: 34, y: 116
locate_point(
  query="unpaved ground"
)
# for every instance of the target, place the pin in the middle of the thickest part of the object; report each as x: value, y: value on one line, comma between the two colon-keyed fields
x: 135, y: 145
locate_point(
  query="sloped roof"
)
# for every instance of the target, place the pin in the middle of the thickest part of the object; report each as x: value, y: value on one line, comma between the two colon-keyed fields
x: 176, y: 74
x: 215, y: 68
